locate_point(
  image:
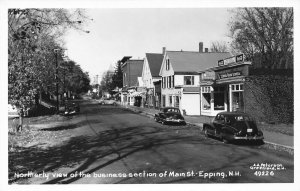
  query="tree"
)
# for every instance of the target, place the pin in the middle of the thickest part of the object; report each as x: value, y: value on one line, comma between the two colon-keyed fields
x: 266, y: 33
x: 33, y: 34
x: 218, y: 46
x: 117, y: 79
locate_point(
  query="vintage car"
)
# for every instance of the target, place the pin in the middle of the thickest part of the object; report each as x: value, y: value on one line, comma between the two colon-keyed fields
x: 169, y: 115
x: 107, y: 102
x: 230, y: 126
x: 72, y: 108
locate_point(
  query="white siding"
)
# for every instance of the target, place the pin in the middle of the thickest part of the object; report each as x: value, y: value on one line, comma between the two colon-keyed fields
x: 191, y: 104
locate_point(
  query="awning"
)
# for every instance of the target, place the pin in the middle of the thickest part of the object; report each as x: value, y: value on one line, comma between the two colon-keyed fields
x: 137, y: 94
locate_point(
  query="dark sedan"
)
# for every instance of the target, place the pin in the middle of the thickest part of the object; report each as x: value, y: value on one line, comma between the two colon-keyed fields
x: 230, y: 126
x: 169, y: 115
x: 71, y: 108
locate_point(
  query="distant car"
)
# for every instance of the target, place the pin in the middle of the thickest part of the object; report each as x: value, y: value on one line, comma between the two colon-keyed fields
x: 169, y: 115
x: 107, y: 102
x: 230, y: 126
x: 72, y: 108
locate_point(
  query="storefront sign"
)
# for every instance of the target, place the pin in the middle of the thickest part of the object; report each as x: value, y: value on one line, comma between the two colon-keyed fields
x: 229, y: 75
x: 208, y: 76
x: 234, y: 59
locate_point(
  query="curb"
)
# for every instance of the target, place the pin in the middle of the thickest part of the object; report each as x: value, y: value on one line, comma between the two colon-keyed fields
x: 189, y: 123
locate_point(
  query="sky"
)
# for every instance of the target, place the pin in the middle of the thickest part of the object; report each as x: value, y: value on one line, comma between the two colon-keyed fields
x: 118, y: 32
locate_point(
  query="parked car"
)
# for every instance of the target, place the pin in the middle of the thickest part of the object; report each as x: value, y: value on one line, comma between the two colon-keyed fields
x: 72, y: 108
x: 107, y: 102
x: 230, y: 126
x: 169, y: 115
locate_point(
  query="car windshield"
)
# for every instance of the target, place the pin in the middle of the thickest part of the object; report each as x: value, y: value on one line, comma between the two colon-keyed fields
x: 169, y: 110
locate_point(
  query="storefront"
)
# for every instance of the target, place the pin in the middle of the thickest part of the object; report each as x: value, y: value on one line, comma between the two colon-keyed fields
x: 222, y: 87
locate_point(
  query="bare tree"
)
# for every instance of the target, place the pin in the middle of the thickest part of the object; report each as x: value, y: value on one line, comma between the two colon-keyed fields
x: 218, y: 46
x: 264, y: 33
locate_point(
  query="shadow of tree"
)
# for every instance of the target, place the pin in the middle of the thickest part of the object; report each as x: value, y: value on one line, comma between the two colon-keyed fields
x: 115, y: 143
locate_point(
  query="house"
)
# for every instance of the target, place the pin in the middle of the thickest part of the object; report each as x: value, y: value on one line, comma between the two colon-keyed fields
x: 150, y: 75
x: 132, y: 69
x: 180, y: 80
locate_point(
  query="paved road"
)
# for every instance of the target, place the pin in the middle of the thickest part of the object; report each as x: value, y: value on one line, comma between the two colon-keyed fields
x: 114, y: 145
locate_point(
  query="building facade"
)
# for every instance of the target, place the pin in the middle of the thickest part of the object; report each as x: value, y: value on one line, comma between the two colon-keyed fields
x: 180, y: 85
x: 132, y: 70
x: 150, y: 75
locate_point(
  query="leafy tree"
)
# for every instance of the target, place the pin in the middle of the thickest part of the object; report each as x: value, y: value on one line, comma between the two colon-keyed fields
x: 33, y: 34
x: 264, y: 33
x: 117, y: 78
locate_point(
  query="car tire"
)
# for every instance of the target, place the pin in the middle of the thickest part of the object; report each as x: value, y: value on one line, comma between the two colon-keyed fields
x: 224, y: 140
x: 205, y: 133
x: 163, y: 122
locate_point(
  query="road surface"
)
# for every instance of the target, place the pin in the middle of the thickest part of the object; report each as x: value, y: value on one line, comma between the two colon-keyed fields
x: 110, y: 144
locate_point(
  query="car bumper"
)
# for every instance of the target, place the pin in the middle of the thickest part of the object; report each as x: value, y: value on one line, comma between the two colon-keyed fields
x: 175, y: 121
x: 249, y: 138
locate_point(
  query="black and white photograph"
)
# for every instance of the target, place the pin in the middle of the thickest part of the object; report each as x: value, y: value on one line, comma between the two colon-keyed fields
x: 192, y: 95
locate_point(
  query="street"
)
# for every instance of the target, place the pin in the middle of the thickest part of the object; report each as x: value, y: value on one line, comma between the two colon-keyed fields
x: 110, y: 144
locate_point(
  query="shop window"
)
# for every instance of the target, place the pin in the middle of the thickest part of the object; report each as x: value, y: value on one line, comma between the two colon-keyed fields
x: 188, y: 80
x: 237, y: 95
x: 219, y: 98
x: 206, y: 101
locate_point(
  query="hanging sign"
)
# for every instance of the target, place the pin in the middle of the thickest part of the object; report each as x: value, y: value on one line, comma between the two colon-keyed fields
x: 234, y: 59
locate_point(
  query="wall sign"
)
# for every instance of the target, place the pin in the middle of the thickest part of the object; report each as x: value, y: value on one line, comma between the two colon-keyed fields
x: 234, y: 59
x: 208, y: 76
x: 229, y: 75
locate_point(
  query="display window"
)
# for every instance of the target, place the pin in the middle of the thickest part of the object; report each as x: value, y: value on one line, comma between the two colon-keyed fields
x: 237, y: 97
x: 206, y: 97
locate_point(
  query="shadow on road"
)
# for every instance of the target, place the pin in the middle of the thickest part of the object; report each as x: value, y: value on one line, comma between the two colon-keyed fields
x: 110, y: 145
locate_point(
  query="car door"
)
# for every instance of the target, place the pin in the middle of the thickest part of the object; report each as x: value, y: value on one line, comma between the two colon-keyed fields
x: 218, y: 123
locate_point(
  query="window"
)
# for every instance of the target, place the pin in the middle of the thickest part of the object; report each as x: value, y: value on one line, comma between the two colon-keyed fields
x: 173, y: 83
x: 167, y: 64
x: 177, y: 101
x: 237, y: 97
x: 206, y: 97
x: 170, y: 81
x: 188, y: 80
x: 163, y: 101
x: 170, y: 100
x: 167, y: 81
x: 219, y: 98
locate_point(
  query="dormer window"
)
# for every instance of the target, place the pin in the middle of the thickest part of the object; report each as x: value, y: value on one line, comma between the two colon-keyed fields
x: 167, y: 64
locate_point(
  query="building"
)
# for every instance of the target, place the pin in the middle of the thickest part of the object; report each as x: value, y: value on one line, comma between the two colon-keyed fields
x: 150, y: 75
x: 222, y: 87
x: 180, y: 79
x: 132, y: 69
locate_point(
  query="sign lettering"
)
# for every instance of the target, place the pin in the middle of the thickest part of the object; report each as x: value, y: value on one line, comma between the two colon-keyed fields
x: 229, y: 75
x: 234, y: 59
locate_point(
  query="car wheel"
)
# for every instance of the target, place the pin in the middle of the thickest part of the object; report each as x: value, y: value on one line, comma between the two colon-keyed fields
x: 163, y: 122
x: 224, y: 140
x: 155, y: 118
x: 205, y: 133
x: 114, y: 103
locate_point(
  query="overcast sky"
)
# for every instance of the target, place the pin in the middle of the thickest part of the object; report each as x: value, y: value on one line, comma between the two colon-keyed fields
x: 115, y: 33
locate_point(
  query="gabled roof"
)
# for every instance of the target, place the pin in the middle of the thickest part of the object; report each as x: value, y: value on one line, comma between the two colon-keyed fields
x: 183, y: 61
x: 154, y: 61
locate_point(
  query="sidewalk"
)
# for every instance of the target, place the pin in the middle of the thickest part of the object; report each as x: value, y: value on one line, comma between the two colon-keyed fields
x: 276, y: 139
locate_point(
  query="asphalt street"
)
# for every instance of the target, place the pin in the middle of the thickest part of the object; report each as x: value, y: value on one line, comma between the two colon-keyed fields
x: 115, y: 145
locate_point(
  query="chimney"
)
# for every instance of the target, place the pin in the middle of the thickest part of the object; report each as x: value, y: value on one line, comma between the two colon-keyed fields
x: 206, y: 49
x: 163, y: 50
x: 200, y: 46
